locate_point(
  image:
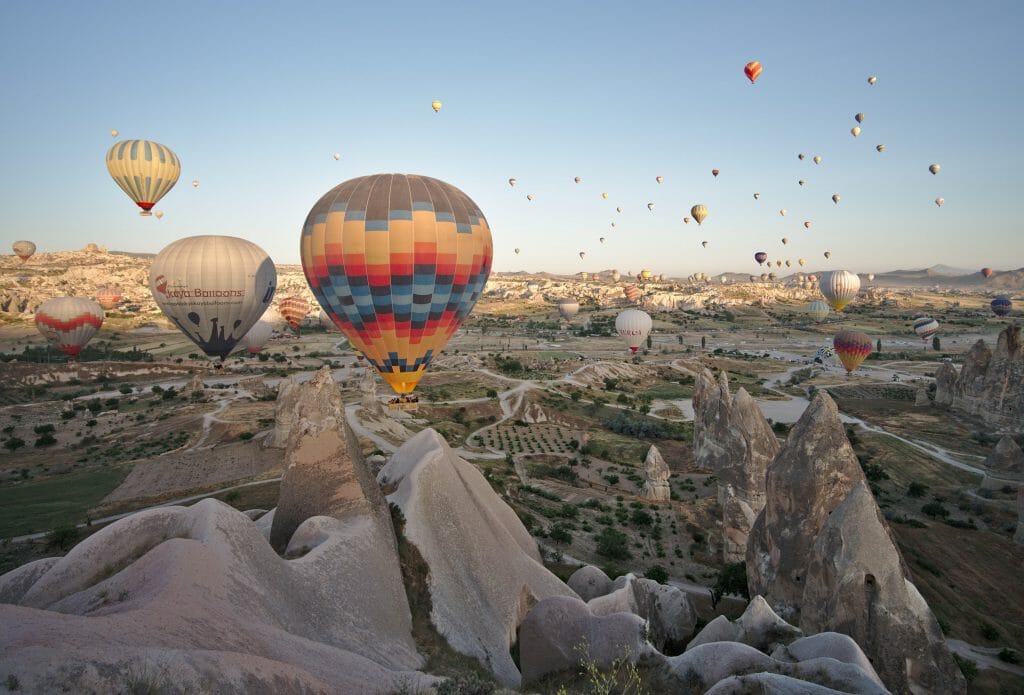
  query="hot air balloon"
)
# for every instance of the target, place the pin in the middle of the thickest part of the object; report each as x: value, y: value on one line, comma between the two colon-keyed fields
x: 584, y: 275
x: 613, y: 224
x: 880, y: 148
x: 783, y: 212
x: 108, y: 297
x: 934, y: 168
x: 1001, y: 306
x: 616, y: 276
x: 645, y: 274
x: 925, y: 327
x: 633, y: 326
x: 529, y: 197
x: 704, y: 244
x: 114, y: 133
x: 789, y: 263
x: 855, y: 130
x: 753, y: 278
x: 807, y: 224
x: 686, y: 220
x: 195, y: 183
x: 583, y: 254
x: 145, y: 170
x: 760, y: 257
x: 23, y: 249
x: 752, y: 70
x: 650, y: 206
x: 764, y: 277
x: 214, y: 288
x: 605, y: 196
x: 398, y: 261
x: 69, y: 322
x: 836, y: 199
x: 757, y: 196
x: 817, y: 310
x: 772, y: 276
x: 986, y: 272
x: 601, y: 239
x: 824, y: 354
x: 859, y: 118
x: 801, y: 182
x: 577, y: 179
x: 159, y: 214
x: 839, y: 287
x: 852, y: 347
x: 293, y: 310
x: 802, y: 261
x: 618, y: 209
x: 714, y: 172
x: 517, y: 250
x: 801, y: 156
x: 940, y: 201
x: 785, y: 241
x: 828, y: 254
x: 659, y: 179
x: 812, y: 278
x: 871, y: 277
x: 778, y: 264
x: 817, y: 159
x: 632, y: 293
x: 256, y: 337
x: 699, y: 213
x: 872, y: 80
x: 436, y: 105
x: 568, y: 308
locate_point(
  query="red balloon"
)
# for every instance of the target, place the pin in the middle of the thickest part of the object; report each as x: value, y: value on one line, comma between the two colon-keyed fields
x: 987, y: 272
x: 752, y: 71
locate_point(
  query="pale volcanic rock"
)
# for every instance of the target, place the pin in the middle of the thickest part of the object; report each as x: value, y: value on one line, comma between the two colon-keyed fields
x: 1018, y: 537
x: 195, y: 385
x: 990, y: 385
x: 368, y: 389
x: 712, y: 662
x: 945, y: 382
x: 1004, y: 466
x: 833, y: 645
x: 485, y: 568
x: 721, y: 629
x: 810, y: 477
x: 668, y: 611
x: 325, y: 474
x: 737, y: 521
x: 255, y: 386
x: 656, y: 475
x: 921, y: 397
x: 855, y: 584
x: 590, y: 582
x: 17, y: 582
x: 761, y: 628
x: 769, y: 684
x: 560, y: 632
x: 198, y: 593
x: 284, y: 411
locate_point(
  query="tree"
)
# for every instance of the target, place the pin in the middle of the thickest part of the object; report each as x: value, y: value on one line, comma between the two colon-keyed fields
x: 612, y: 544
x: 657, y: 573
x: 936, y: 344
x: 703, y: 341
x: 732, y: 579
x: 878, y: 345
x: 649, y: 342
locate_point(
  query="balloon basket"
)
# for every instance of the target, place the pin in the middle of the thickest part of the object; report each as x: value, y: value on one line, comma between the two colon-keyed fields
x: 408, y: 407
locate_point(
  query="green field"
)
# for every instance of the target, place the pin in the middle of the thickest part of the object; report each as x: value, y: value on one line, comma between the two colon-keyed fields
x: 58, y: 501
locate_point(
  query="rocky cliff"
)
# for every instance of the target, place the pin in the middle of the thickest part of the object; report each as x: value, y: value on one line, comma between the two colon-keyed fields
x: 990, y: 385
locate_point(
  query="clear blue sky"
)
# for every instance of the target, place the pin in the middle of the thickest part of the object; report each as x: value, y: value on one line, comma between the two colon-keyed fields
x: 256, y: 97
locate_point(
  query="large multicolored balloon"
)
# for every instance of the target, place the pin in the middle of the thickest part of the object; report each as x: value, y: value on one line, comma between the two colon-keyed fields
x: 23, y: 249
x: 568, y: 308
x: 1001, y: 306
x: 818, y: 310
x: 108, y: 297
x: 632, y: 293
x: 255, y: 339
x: 925, y: 327
x: 145, y: 170
x: 69, y: 322
x: 839, y: 287
x: 760, y: 257
x: 752, y: 70
x: 293, y: 310
x: 398, y: 262
x: 852, y: 347
x: 986, y: 272
x: 214, y: 288
x: 699, y: 212
x: 633, y: 326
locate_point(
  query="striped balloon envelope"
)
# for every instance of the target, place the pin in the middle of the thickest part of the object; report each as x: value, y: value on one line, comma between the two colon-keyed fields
x: 108, y: 297
x: 398, y: 262
x: 69, y: 322
x: 852, y: 347
x: 294, y: 310
x: 632, y: 293
x: 818, y: 310
x: 145, y: 170
x: 1001, y: 306
x: 839, y: 287
x: 23, y: 249
x: 925, y: 327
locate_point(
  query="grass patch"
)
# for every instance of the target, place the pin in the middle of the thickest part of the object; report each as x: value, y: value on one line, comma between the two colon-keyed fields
x: 61, y: 501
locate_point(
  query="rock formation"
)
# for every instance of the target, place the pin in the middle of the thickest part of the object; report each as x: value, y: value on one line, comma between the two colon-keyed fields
x: 195, y: 385
x: 1004, y: 466
x: 590, y: 582
x: 325, y: 474
x: 368, y: 388
x: 1018, y: 537
x: 656, y: 476
x: 485, y: 570
x: 284, y: 412
x: 921, y: 397
x: 810, y: 477
x: 855, y: 584
x: 668, y: 611
x: 737, y: 521
x: 255, y: 386
x: 945, y: 381
x: 732, y: 438
x: 561, y: 631
x: 193, y: 599
x: 990, y: 384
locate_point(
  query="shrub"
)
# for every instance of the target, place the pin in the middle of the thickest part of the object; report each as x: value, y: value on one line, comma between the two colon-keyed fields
x: 657, y: 573
x: 611, y: 479
x: 67, y: 414
x: 245, y: 436
x: 559, y: 533
x: 62, y: 537
x: 612, y: 544
x: 14, y: 443
x: 641, y: 518
x: 916, y: 489
x: 967, y: 667
x: 935, y: 509
x: 1009, y: 656
x: 732, y: 579
x: 43, y: 429
x: 46, y: 440
x: 989, y: 631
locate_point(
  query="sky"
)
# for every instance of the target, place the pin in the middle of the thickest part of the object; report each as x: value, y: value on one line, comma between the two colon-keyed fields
x: 255, y: 98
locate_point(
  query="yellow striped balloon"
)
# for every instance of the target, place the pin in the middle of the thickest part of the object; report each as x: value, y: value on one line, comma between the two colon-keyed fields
x: 144, y: 169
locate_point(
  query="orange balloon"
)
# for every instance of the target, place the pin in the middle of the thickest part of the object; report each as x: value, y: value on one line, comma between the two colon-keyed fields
x: 752, y: 71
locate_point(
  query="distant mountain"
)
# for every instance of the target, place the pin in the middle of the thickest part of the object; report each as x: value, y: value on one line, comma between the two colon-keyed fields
x: 133, y: 254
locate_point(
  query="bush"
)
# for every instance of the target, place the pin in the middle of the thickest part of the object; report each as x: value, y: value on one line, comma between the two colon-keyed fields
x: 67, y: 414
x: 14, y: 443
x: 62, y: 537
x: 989, y: 631
x: 967, y: 667
x: 1009, y: 656
x: 657, y: 573
x: 46, y: 440
x: 559, y: 533
x: 732, y: 579
x: 466, y: 684
x: 611, y: 479
x: 916, y: 489
x: 43, y: 429
x: 612, y: 544
x: 245, y: 436
x: 641, y: 518
x: 935, y: 509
